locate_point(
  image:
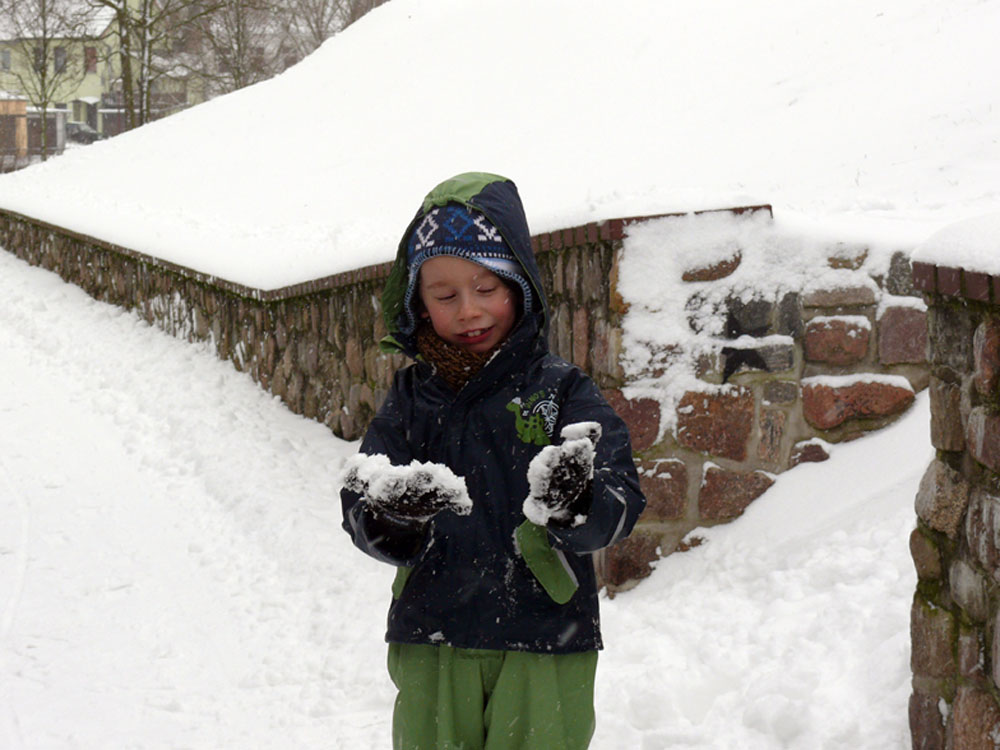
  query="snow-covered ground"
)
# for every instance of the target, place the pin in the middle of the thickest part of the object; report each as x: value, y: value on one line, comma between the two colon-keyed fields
x: 173, y: 574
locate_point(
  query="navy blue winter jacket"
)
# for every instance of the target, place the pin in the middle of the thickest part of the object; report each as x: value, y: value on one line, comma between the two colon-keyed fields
x: 465, y: 580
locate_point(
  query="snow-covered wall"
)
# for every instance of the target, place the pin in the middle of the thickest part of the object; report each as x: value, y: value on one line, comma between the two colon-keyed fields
x: 735, y: 347
x: 955, y: 620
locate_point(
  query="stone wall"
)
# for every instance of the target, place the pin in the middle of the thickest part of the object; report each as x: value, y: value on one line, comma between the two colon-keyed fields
x: 955, y: 620
x: 822, y: 367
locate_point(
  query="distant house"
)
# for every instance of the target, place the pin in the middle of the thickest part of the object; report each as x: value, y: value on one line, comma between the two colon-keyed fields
x: 84, y: 74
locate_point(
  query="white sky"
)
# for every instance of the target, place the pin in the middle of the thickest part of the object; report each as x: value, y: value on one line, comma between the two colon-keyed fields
x: 872, y: 119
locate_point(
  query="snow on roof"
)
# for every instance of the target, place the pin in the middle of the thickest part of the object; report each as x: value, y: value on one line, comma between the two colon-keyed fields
x: 875, y: 120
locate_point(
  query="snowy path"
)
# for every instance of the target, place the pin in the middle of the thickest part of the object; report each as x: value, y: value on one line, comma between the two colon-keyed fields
x: 173, y: 575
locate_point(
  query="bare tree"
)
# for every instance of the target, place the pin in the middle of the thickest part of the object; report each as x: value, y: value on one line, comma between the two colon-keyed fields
x: 47, y: 59
x: 148, y: 36
x: 242, y: 44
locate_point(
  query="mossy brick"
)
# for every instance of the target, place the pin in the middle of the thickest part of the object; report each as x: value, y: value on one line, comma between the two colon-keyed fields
x: 950, y: 330
x: 933, y: 633
x: 780, y: 392
x: 925, y: 555
x: 899, y: 280
x: 971, y: 654
x: 968, y: 589
x: 789, y: 315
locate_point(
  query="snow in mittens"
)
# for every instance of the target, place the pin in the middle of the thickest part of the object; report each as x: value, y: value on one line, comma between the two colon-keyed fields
x: 383, y: 485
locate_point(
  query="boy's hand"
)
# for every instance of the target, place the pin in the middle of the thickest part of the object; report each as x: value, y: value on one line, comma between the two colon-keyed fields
x: 413, y: 493
x: 427, y: 493
x: 559, y: 477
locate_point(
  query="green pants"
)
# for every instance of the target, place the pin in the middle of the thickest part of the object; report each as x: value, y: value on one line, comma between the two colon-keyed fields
x: 464, y: 699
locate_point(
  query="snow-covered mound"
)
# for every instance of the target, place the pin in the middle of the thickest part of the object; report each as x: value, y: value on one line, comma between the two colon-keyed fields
x: 839, y: 111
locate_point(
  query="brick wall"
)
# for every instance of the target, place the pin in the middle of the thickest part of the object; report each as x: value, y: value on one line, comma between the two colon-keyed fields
x: 314, y: 345
x: 955, y: 620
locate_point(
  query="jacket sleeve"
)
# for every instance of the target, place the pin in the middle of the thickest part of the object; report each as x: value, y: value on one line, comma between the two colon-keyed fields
x: 383, y: 538
x: 616, y: 499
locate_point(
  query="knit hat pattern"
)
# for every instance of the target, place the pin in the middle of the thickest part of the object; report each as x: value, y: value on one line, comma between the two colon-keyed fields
x: 464, y: 233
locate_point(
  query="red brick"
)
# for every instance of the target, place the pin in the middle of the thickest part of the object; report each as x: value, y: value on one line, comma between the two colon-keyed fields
x: 807, y: 452
x: 977, y: 286
x: 986, y: 356
x: 902, y: 336
x: 664, y: 483
x: 982, y: 529
x: 949, y: 281
x: 716, y: 271
x: 982, y: 437
x: 932, y: 638
x: 629, y: 559
x: 924, y: 277
x: 826, y: 407
x: 976, y: 718
x: 926, y: 723
x: 641, y: 415
x: 716, y: 423
x: 838, y: 341
x: 726, y: 494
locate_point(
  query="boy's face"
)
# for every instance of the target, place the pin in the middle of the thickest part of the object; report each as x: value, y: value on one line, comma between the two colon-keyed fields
x: 468, y: 305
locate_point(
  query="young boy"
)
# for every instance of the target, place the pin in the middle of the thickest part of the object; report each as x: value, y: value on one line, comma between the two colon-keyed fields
x: 493, y: 629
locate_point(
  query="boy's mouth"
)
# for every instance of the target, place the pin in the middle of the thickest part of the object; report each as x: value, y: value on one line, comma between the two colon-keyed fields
x: 472, y: 337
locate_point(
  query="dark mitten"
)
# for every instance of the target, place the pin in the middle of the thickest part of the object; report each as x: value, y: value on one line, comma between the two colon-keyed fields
x: 428, y: 492
x: 559, y: 478
x: 413, y: 493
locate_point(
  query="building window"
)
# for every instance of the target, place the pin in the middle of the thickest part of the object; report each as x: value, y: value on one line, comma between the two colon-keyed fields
x: 59, y: 59
x: 5, y: 60
x: 90, y: 59
x: 39, y: 60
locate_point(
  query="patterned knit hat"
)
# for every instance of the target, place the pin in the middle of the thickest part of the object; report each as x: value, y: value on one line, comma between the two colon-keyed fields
x: 465, y: 233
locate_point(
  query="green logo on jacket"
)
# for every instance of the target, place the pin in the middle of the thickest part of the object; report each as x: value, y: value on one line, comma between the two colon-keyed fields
x: 535, y: 417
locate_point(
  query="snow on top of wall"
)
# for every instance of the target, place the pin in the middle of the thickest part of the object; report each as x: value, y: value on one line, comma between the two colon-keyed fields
x: 973, y: 244
x: 671, y: 324
x: 604, y: 110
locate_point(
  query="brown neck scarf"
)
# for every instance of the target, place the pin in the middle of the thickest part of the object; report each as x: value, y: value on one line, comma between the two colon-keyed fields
x: 453, y: 363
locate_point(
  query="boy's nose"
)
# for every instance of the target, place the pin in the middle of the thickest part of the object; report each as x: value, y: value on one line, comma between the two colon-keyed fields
x: 469, y: 308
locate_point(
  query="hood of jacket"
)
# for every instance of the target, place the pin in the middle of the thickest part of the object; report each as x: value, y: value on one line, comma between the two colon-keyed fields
x: 497, y: 198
